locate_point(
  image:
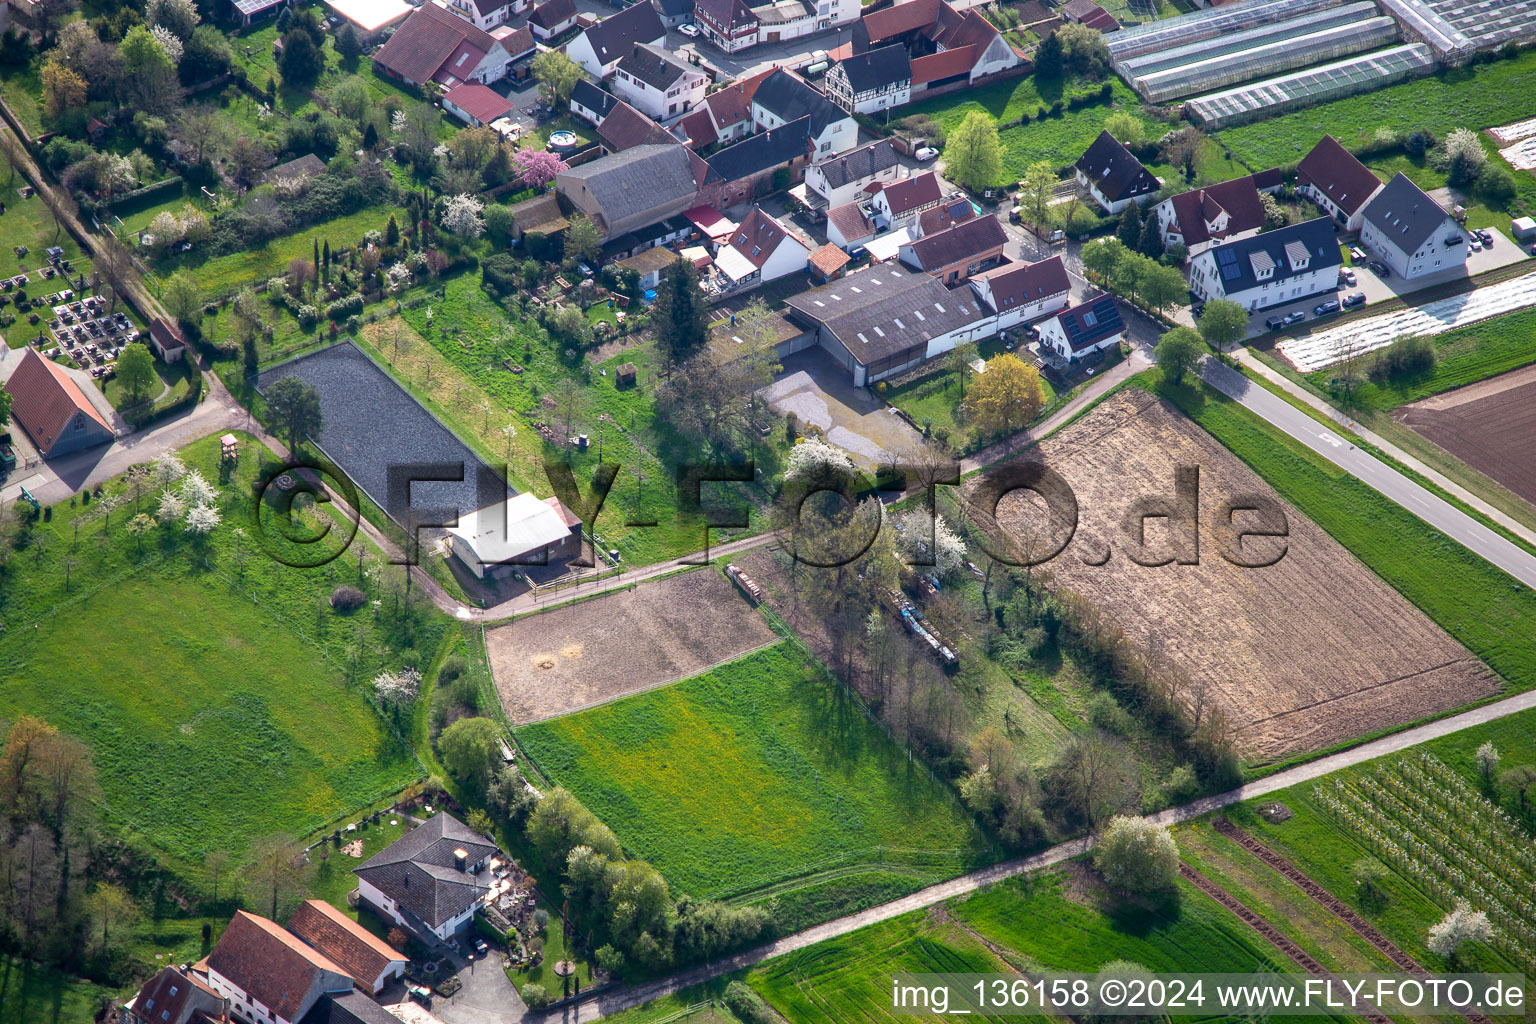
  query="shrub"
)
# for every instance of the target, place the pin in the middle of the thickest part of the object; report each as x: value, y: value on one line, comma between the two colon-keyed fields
x: 347, y: 599
x: 452, y: 668
x: 1137, y: 855
x: 1407, y: 356
x: 747, y: 1005
x: 1107, y: 714
x: 344, y: 307
x: 534, y: 995
x: 1181, y: 783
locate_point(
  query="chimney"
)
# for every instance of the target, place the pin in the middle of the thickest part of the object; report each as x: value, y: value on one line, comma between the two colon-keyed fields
x: 405, y: 880
x: 460, y: 859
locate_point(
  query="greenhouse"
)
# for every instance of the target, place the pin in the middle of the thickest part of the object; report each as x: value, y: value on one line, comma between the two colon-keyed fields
x: 1160, y: 35
x: 1315, y: 85
x: 1234, y: 42
x: 1458, y: 28
x: 1229, y: 69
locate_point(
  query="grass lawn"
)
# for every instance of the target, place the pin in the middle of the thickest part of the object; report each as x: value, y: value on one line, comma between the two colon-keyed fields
x: 256, y: 717
x: 1479, y: 605
x: 1478, y: 96
x: 934, y: 402
x: 41, y: 996
x: 23, y: 86
x: 751, y: 773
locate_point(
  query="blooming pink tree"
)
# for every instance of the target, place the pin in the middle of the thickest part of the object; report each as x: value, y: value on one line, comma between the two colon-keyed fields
x: 537, y: 167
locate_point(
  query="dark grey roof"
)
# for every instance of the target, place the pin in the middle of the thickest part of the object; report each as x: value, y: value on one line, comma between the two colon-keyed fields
x: 958, y: 243
x: 635, y: 180
x: 763, y: 151
x: 791, y: 99
x: 1114, y: 171
x: 859, y: 164
x: 877, y: 69
x: 652, y: 65
x: 418, y: 870
x: 1234, y: 261
x: 352, y: 1008
x: 886, y: 309
x: 593, y: 98
x: 552, y: 12
x: 674, y: 8
x: 612, y: 37
x: 1403, y: 213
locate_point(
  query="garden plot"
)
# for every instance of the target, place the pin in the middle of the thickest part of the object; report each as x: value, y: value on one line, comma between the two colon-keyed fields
x: 1490, y: 425
x: 1304, y: 654
x: 595, y: 651
x: 1324, y: 348
x: 372, y: 423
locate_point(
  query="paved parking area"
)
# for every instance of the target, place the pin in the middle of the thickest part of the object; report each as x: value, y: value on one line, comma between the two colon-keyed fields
x: 821, y: 393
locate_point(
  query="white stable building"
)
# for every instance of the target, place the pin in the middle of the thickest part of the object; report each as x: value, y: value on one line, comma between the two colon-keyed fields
x: 523, y: 530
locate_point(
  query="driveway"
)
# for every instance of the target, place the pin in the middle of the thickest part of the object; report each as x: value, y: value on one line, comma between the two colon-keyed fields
x: 821, y: 394
x: 486, y: 998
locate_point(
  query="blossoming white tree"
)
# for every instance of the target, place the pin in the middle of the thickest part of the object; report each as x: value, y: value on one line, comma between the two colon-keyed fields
x: 461, y: 215
x: 202, y: 519
x: 167, y: 470
x: 1456, y: 929
x: 814, y: 456
x: 918, y: 529
x: 196, y: 490
x: 171, y: 508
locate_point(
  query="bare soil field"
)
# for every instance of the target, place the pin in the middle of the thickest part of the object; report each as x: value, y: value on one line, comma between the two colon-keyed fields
x: 1490, y: 425
x: 599, y: 650
x: 1302, y: 654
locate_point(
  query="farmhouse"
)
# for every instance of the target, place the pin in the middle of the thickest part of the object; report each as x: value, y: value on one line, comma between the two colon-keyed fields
x: 887, y: 319
x: 551, y: 19
x: 268, y: 975
x: 842, y: 179
x: 600, y: 48
x: 1412, y: 232
x: 634, y: 189
x: 1272, y: 268
x: 1080, y: 331
x: 431, y: 880
x: 736, y: 25
x: 371, y: 963
x: 761, y: 250
x: 1113, y: 175
x: 436, y: 46
x: 1332, y: 178
x: 624, y: 127
x: 893, y: 207
x: 476, y: 104
x: 657, y: 84
x: 783, y: 97
x: 1223, y: 212
x: 863, y: 83
x: 953, y: 254
x: 523, y: 530
x: 747, y: 168
x: 926, y: 27
x: 1018, y: 293
x: 53, y: 408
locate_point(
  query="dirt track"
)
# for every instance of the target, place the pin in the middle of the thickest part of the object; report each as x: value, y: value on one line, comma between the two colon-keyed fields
x: 621, y: 643
x: 1303, y: 654
x: 1490, y: 425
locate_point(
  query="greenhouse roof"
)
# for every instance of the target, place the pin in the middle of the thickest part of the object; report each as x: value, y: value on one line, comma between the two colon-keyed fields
x: 1160, y: 35
x: 1233, y: 42
x: 1356, y: 74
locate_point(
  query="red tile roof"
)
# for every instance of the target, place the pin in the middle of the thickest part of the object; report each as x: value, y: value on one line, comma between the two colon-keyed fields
x: 363, y: 955
x: 1239, y: 198
x: 552, y: 12
x: 1018, y: 283
x: 850, y: 221
x: 698, y: 128
x: 272, y: 965
x: 430, y: 44
x: 1335, y: 172
x: 943, y: 64
x: 912, y: 193
x: 758, y: 237
x: 900, y: 19
x: 478, y: 101
x: 954, y: 210
x: 828, y: 260
x: 45, y: 400
x: 174, y: 997
x: 625, y: 128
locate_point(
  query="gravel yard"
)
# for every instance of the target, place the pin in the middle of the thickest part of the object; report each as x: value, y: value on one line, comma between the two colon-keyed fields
x: 595, y: 651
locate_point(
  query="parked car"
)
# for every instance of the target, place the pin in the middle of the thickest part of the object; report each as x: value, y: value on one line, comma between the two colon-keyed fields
x: 1473, y: 245
x: 1324, y: 308
x: 1380, y: 269
x: 1274, y: 323
x: 1197, y: 309
x: 1347, y: 276
x: 420, y: 994
x: 1485, y: 236
x: 481, y: 947
x: 926, y: 153
x: 689, y: 29
x: 1357, y: 299
x: 1294, y: 318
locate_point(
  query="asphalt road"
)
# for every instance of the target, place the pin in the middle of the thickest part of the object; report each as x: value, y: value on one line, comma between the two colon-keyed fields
x: 1371, y: 471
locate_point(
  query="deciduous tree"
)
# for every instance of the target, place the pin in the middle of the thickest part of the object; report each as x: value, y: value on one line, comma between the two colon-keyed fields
x: 295, y: 408
x: 1007, y: 396
x: 972, y: 154
x: 557, y: 76
x: 1223, y: 323
x: 1178, y: 352
x: 136, y: 372
x: 1137, y: 855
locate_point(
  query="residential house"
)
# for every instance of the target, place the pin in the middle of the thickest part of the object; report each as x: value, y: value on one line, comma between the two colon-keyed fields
x: 1113, y: 175
x: 729, y: 24
x: 844, y: 178
x: 673, y: 12
x: 590, y: 103
x: 891, y: 207
x: 748, y: 168
x: 476, y: 104
x: 552, y: 19
x: 434, y: 45
x: 736, y: 25
x: 1080, y: 331
x: 487, y: 14
x: 953, y: 254
x: 761, y: 249
x: 519, y: 44
x: 657, y: 84
x: 1333, y: 179
x: 725, y: 117
x: 1270, y: 269
x: 52, y: 407
x: 956, y: 209
x: 268, y: 975
x: 1223, y: 212
x: 600, y: 48
x: 368, y: 960
x: 539, y: 215
x: 431, y: 880
x: 352, y: 1008
x: 1411, y: 232
x: 667, y: 232
x: 624, y: 127
x: 864, y: 83
x: 174, y: 996
x: 1018, y: 293
x: 650, y: 264
x: 783, y: 97
x: 635, y: 188
x: 887, y: 319
x: 852, y: 226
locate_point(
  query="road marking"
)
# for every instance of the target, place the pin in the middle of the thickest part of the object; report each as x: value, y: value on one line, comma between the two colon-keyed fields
x: 1324, y: 435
